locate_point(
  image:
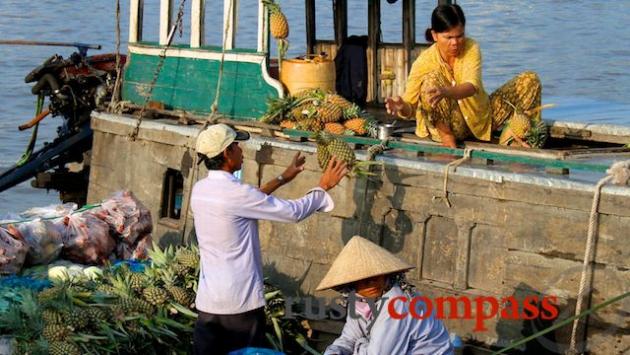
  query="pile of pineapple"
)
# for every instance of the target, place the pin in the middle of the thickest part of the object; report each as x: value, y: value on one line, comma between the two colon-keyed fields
x: 126, y: 312
x: 119, y: 312
x: 315, y: 110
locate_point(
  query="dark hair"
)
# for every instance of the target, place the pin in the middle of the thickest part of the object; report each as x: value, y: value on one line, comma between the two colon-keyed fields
x: 214, y: 163
x: 443, y: 18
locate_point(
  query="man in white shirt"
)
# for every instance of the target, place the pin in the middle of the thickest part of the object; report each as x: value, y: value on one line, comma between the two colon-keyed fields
x: 230, y: 298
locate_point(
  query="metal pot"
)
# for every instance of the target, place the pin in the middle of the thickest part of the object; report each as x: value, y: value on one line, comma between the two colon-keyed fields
x: 385, y: 130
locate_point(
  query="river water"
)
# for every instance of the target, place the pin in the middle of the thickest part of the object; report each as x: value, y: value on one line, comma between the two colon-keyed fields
x: 578, y: 47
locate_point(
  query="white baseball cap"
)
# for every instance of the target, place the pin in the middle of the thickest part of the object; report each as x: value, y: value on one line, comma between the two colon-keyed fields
x: 216, y: 138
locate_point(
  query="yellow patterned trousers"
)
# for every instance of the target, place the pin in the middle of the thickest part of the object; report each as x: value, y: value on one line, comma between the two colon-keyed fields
x: 523, y: 91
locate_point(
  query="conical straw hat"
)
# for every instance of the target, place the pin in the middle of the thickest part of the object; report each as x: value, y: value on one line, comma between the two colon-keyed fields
x: 361, y: 259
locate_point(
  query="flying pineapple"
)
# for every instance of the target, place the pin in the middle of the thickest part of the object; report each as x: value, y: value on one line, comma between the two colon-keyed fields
x: 329, y: 146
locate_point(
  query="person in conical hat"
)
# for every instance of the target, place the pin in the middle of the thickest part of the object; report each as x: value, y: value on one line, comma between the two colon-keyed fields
x: 380, y: 319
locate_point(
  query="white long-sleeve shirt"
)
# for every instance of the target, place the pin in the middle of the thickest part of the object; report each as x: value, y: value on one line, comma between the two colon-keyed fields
x: 226, y: 214
x: 407, y: 336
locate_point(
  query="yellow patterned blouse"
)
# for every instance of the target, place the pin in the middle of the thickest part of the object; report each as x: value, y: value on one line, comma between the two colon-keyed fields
x: 467, y: 69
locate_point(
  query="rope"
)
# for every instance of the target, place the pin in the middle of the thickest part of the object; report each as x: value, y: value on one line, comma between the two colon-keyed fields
x: 377, y: 149
x: 454, y: 164
x: 217, y: 93
x: 178, y: 23
x: 212, y: 119
x: 619, y: 173
x: 116, y: 92
x: 31, y: 144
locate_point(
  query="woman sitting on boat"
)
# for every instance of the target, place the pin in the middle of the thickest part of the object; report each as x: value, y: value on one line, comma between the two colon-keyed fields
x: 445, y: 92
x: 379, y: 319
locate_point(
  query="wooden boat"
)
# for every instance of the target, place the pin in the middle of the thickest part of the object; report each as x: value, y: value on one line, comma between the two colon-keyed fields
x: 517, y: 219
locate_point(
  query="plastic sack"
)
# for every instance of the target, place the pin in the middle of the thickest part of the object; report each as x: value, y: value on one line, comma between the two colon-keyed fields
x: 138, y: 251
x: 12, y: 251
x: 126, y: 215
x: 44, y: 239
x: 86, y: 239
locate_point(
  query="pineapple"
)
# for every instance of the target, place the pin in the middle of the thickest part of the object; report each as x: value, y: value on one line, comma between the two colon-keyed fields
x: 63, y: 348
x: 537, y: 135
x: 278, y: 24
x: 313, y: 94
x: 106, y: 289
x: 96, y: 315
x: 329, y: 146
x: 279, y: 28
x: 180, y: 295
x: 334, y: 128
x: 362, y: 126
x: 137, y: 282
x: 134, y: 305
x: 75, y: 318
x: 188, y: 257
x: 329, y: 112
x: 155, y: 295
x: 340, y: 101
x: 353, y: 111
x: 309, y: 124
x: 181, y: 270
x: 52, y: 317
x: 518, y: 126
x: 288, y: 124
x: 55, y: 332
x: 49, y: 294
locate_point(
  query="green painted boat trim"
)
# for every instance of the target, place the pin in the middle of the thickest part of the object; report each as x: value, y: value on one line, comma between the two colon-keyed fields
x: 190, y: 84
x: 431, y: 149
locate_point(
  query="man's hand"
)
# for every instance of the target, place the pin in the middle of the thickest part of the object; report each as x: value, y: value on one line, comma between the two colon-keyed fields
x: 396, y: 106
x: 296, y: 167
x: 335, y: 171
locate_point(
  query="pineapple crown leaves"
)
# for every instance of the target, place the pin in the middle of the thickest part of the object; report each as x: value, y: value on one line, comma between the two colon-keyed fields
x: 272, y: 6
x: 352, y: 112
x: 161, y: 257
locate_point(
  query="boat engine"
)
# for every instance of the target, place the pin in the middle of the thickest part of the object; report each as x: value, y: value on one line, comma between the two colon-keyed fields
x: 74, y: 87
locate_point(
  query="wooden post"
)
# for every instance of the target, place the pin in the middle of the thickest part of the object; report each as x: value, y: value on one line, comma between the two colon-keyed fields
x: 311, y: 36
x: 374, y: 34
x: 166, y: 9
x: 230, y: 18
x: 409, y: 29
x: 263, y: 28
x: 340, y: 15
x: 136, y: 10
x: 197, y: 21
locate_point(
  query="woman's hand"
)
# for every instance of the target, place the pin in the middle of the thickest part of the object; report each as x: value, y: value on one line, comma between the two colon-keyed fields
x: 396, y: 106
x: 296, y: 167
x: 434, y: 95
